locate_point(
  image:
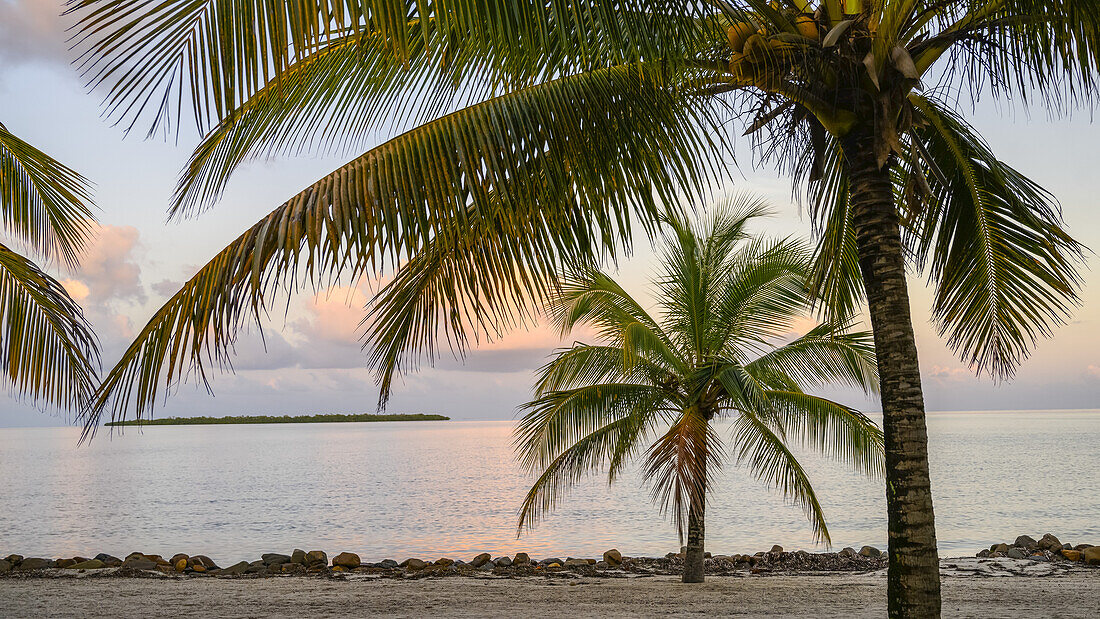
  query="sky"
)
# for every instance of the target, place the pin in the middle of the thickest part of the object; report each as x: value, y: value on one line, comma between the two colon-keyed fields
x: 312, y: 362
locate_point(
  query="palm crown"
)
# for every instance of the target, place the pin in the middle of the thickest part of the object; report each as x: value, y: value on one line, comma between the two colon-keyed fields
x: 713, y: 352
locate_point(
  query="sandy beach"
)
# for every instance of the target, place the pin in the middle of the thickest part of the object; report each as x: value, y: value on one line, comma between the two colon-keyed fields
x: 971, y: 589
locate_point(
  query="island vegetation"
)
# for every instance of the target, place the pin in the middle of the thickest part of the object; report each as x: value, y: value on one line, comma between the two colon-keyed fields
x: 245, y: 419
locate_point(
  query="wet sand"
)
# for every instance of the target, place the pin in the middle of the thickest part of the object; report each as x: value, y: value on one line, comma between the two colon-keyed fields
x: 968, y: 592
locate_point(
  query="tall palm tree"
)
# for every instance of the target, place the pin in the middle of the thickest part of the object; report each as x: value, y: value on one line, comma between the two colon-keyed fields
x: 48, y: 353
x: 709, y: 355
x: 541, y: 128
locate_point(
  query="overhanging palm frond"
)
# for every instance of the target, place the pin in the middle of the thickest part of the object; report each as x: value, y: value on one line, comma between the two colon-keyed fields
x: 1004, y: 268
x: 47, y: 349
x: 608, y: 138
x: 150, y: 54
x: 43, y: 202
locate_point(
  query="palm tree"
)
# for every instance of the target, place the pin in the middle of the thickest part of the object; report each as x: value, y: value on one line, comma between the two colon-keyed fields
x: 710, y: 356
x: 542, y: 128
x: 48, y: 352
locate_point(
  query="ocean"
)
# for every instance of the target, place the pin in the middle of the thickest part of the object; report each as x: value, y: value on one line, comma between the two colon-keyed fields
x: 453, y: 488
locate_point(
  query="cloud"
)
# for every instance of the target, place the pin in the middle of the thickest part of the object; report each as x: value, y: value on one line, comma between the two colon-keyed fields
x: 1093, y: 371
x: 949, y: 372
x: 32, y: 31
x: 109, y: 270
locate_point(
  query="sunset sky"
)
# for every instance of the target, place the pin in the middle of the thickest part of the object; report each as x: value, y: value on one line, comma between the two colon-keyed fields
x: 313, y: 363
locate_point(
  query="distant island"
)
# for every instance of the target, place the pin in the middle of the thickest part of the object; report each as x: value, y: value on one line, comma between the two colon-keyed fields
x: 243, y: 419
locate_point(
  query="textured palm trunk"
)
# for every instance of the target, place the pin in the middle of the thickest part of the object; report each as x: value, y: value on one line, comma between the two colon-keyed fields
x: 913, y: 577
x: 693, y: 557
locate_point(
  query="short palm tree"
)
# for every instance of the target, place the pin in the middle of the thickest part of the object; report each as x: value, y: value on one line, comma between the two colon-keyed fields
x: 543, y: 128
x: 711, y: 354
x: 48, y: 352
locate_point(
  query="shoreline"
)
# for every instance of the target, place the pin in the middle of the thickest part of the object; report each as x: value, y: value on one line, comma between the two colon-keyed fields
x: 994, y: 592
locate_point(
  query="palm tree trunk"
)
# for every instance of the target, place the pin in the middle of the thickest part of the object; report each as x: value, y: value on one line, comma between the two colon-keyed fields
x: 693, y: 557
x: 913, y: 583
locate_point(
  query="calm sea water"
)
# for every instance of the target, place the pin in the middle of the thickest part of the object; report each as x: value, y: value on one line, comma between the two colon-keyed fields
x: 434, y: 489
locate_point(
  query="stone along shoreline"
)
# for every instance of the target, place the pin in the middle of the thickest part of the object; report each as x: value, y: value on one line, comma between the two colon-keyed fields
x: 317, y: 562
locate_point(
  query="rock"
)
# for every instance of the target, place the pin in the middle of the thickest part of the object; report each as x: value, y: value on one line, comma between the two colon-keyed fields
x: 1067, y: 547
x: 487, y: 566
x: 602, y: 565
x: 1038, y: 557
x: 576, y: 563
x: 1071, y: 555
x: 550, y: 560
x: 33, y: 563
x: 274, y: 558
x: 339, y: 568
x: 1001, y: 548
x: 847, y: 552
x: 293, y: 568
x: 1049, y: 542
x: 1080, y: 547
x: 91, y: 564
x: 347, y: 559
x: 388, y: 564
x: 445, y: 562
x: 996, y: 554
x: 181, y: 565
x: 14, y: 559
x: 298, y: 556
x: 176, y: 558
x: 503, y: 562
x: 199, y: 568
x: 235, y: 569
x: 870, y: 551
x: 159, y: 560
x: 1026, y: 541
x: 316, y: 557
x: 1016, y: 553
x: 64, y: 563
x: 109, y: 560
x: 776, y: 548
x: 262, y: 569
x: 613, y: 557
x: 982, y: 554
x: 5, y: 566
x: 415, y: 564
x: 521, y: 558
x: 481, y: 559
x: 139, y: 562
x: 204, y: 561
x: 553, y: 566
x: 1091, y: 555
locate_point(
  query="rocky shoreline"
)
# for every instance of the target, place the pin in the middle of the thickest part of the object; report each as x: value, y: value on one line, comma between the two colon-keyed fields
x: 611, y: 564
x: 1047, y: 548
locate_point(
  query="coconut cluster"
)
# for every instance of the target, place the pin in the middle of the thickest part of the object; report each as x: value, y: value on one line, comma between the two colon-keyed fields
x: 762, y: 57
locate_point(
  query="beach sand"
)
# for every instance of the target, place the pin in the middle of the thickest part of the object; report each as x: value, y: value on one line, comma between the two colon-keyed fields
x: 967, y: 593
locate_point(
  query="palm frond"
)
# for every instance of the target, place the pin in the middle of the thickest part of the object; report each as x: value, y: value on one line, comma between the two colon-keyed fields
x: 150, y: 55
x: 828, y: 353
x: 47, y: 349
x: 586, y: 134
x: 835, y: 430
x: 676, y: 465
x: 770, y: 461
x: 557, y: 419
x: 43, y: 202
x: 1004, y: 268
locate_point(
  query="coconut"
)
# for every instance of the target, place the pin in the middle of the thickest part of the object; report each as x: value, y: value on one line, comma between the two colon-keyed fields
x: 738, y: 34
x: 807, y: 27
x: 757, y: 49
